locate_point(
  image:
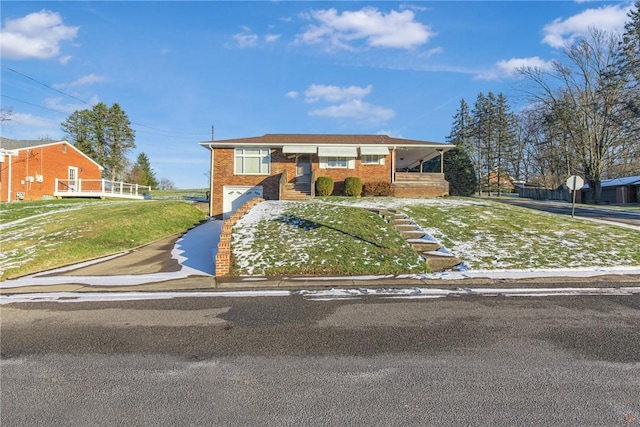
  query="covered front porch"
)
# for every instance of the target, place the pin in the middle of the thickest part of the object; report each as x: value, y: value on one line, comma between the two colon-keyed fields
x: 409, y: 178
x: 100, y: 188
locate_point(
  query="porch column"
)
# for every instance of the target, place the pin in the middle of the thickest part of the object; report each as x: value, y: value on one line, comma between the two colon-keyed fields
x: 393, y: 165
x: 421, y: 164
x: 441, y: 161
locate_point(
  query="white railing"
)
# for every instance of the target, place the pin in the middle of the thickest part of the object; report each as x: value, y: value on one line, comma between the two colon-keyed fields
x: 99, y: 188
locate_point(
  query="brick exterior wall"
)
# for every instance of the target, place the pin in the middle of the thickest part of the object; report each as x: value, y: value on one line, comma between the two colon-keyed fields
x: 223, y: 168
x: 422, y: 191
x: 223, y: 175
x: 367, y: 173
x: 50, y: 161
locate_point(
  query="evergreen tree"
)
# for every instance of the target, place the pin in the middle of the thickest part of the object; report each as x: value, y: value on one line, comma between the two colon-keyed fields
x: 459, y: 163
x: 142, y: 173
x: 459, y: 171
x: 505, y: 139
x: 104, y: 134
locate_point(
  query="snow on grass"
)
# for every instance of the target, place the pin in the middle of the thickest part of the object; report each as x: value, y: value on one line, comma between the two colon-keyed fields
x: 316, y: 238
x: 484, y: 234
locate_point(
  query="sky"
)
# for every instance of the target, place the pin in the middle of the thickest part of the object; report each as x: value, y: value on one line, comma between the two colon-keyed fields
x: 184, y: 71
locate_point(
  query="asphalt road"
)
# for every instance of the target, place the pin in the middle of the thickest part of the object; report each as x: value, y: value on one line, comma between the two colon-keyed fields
x: 631, y: 218
x: 566, y: 361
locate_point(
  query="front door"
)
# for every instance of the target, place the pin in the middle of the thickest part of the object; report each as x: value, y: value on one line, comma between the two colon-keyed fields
x: 73, y: 178
x: 303, y: 168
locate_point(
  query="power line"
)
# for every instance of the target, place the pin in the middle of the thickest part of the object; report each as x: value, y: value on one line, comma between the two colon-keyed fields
x: 63, y: 113
x: 84, y: 102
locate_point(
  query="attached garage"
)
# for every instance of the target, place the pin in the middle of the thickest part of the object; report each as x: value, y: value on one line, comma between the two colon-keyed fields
x: 234, y: 196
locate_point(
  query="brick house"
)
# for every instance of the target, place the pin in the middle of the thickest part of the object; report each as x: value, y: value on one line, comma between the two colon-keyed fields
x: 285, y: 166
x: 31, y: 169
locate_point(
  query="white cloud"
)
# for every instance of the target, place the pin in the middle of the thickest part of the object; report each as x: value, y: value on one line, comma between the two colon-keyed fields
x: 246, y: 38
x: 270, y: 38
x: 327, y: 93
x: 336, y: 30
x: 292, y: 94
x: 509, y: 67
x: 346, y: 103
x: 35, y: 36
x: 608, y: 18
x: 82, y: 81
x: 355, y: 109
x: 59, y: 105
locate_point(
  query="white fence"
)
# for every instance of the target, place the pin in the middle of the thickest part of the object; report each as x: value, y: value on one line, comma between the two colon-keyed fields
x: 100, y: 188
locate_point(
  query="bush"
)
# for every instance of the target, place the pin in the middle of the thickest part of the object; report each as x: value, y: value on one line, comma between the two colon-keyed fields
x: 324, y: 186
x: 379, y: 188
x: 353, y: 186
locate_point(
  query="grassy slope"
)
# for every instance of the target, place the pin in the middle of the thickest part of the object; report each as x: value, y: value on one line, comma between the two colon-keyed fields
x: 490, y: 235
x: 317, y: 239
x: 38, y: 236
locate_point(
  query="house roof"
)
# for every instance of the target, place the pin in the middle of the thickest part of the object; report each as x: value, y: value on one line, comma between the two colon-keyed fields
x: 617, y: 182
x: 623, y: 181
x: 17, y: 144
x: 410, y: 151
x: 326, y: 139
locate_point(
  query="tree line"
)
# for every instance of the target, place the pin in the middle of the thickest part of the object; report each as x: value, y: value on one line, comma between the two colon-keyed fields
x: 105, y: 135
x: 582, y: 117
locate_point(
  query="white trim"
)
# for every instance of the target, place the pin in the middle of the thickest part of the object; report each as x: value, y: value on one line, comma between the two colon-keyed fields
x: 64, y: 141
x: 324, y: 163
x: 264, y: 153
x: 299, y: 149
x: 374, y: 151
x: 375, y: 159
x: 240, y: 192
x: 338, y: 152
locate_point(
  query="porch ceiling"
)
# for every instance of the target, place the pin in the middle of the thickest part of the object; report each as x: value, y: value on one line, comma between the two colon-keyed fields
x: 408, y: 157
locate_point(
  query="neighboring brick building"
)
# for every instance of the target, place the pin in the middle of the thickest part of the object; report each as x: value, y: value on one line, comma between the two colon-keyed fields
x: 285, y: 166
x: 29, y: 168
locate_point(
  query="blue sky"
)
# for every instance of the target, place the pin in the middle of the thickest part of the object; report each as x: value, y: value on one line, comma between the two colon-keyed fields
x: 251, y: 68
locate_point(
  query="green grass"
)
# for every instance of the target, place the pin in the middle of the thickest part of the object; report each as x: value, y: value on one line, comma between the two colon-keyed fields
x: 489, y: 235
x: 187, y: 194
x: 38, y: 236
x: 320, y: 239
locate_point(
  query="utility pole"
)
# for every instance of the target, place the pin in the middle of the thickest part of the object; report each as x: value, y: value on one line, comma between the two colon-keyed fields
x: 212, y: 132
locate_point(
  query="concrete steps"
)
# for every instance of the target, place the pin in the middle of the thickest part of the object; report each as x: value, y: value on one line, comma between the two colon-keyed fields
x: 297, y: 191
x: 434, y: 254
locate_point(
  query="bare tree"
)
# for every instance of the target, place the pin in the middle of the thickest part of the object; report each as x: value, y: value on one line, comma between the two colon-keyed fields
x: 581, y: 101
x: 6, y: 115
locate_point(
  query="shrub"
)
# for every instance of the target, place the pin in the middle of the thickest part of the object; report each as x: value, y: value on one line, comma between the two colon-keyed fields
x: 378, y: 188
x: 324, y: 186
x: 353, y: 186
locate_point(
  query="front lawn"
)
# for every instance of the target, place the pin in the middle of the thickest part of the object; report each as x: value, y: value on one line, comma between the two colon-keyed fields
x: 337, y: 236
x: 38, y: 236
x: 308, y: 238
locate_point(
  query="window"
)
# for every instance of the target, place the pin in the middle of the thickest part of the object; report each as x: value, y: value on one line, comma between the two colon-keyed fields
x: 372, y: 159
x: 337, y: 163
x: 252, y: 161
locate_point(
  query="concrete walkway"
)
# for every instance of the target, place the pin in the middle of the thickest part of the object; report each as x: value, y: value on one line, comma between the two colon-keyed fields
x: 177, y: 262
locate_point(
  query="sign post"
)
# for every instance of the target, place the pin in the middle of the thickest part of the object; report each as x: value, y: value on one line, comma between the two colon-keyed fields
x: 574, y: 182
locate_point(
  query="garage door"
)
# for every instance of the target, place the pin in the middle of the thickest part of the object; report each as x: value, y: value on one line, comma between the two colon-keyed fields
x: 236, y: 196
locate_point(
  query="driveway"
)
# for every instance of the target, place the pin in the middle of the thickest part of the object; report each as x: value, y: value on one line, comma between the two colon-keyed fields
x: 177, y: 262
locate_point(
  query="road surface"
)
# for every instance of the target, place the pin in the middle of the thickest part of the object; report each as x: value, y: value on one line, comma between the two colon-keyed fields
x: 467, y: 360
x: 629, y: 218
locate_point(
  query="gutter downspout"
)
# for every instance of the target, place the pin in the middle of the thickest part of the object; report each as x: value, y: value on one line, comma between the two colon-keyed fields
x: 9, y: 180
x: 211, y: 183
